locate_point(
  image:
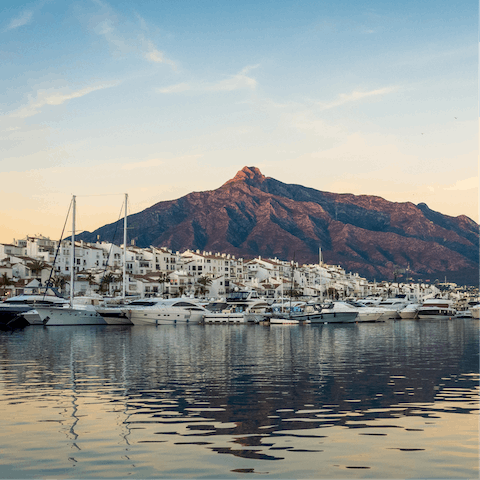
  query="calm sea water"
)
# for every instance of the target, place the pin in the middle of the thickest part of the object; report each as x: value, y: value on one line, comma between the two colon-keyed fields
x: 389, y: 400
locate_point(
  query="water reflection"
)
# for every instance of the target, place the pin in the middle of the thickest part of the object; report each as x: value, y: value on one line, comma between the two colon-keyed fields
x: 305, y: 402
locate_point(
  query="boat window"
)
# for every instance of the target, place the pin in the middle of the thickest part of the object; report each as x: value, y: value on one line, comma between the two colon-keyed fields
x: 142, y: 303
x: 183, y: 304
x: 216, y: 307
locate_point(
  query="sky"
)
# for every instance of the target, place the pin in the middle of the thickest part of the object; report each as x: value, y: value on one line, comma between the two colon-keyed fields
x: 158, y: 99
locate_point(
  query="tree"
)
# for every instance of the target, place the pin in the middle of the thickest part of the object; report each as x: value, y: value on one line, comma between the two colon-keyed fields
x: 296, y: 293
x: 163, y: 278
x: 105, y: 282
x: 203, y: 283
x: 5, y: 281
x: 36, y: 267
x: 331, y: 292
x: 181, y: 290
x: 59, y: 281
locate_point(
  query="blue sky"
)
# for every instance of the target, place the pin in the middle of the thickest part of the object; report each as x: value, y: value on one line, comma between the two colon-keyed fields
x: 158, y: 99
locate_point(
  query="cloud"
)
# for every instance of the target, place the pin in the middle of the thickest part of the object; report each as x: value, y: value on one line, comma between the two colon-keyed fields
x: 24, y: 18
x: 465, y: 184
x: 128, y: 38
x: 154, y: 55
x: 355, y: 96
x: 178, y: 88
x: 156, y: 162
x: 238, y: 81
x: 49, y: 97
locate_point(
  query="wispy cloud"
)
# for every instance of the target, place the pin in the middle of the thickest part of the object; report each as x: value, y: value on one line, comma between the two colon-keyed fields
x: 24, y: 18
x: 49, y: 97
x: 465, y: 184
x: 177, y: 88
x: 153, y: 55
x: 238, y: 81
x: 157, y: 162
x: 355, y: 96
x: 131, y: 39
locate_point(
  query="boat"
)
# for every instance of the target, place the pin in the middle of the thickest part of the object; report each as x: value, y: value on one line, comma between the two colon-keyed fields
x: 239, y: 307
x: 80, y: 311
x: 391, y: 308
x: 283, y: 321
x: 436, y: 308
x: 317, y: 313
x: 364, y: 313
x: 20, y: 310
x: 165, y: 311
x: 115, y: 313
x: 410, y: 311
x: 475, y: 311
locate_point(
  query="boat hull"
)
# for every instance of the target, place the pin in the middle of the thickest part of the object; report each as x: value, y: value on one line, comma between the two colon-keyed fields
x: 69, y: 317
x: 159, y: 318
x: 114, y: 316
x: 225, y: 318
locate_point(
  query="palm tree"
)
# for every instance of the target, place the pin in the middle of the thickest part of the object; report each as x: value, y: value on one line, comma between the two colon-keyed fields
x: 36, y: 267
x: 5, y: 281
x: 106, y: 281
x: 163, y: 278
x: 204, y: 282
x: 59, y: 281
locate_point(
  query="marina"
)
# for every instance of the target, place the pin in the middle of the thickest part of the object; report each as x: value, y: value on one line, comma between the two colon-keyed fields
x: 397, y: 399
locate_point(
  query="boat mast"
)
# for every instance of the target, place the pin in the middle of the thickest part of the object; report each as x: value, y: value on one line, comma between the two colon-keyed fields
x: 125, y: 248
x: 72, y: 253
x: 321, y: 275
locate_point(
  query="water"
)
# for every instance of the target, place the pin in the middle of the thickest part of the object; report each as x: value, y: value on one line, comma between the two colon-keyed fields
x: 390, y: 400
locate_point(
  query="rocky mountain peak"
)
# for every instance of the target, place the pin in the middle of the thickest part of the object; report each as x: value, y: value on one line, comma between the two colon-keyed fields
x: 250, y: 175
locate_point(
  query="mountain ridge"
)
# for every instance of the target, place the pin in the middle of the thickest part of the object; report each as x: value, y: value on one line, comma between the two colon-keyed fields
x: 251, y: 215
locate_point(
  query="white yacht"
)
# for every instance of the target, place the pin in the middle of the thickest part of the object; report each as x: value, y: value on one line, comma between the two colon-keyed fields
x: 392, y: 307
x: 79, y: 311
x: 239, y: 307
x: 436, y: 308
x: 365, y: 313
x: 22, y: 307
x: 316, y: 313
x: 83, y: 311
x: 161, y: 311
x: 410, y: 311
x: 475, y: 311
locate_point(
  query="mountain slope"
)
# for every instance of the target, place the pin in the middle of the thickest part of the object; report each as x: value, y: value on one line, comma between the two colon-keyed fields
x: 254, y: 215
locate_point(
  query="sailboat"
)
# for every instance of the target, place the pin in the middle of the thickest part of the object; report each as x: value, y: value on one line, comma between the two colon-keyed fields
x: 117, y: 314
x: 80, y: 312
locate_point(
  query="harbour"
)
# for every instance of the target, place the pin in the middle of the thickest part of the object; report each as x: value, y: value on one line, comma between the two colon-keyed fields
x: 397, y: 399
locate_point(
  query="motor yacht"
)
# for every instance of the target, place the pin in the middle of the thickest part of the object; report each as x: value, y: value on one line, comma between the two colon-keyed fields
x: 239, y: 307
x: 410, y: 311
x: 475, y: 311
x: 317, y: 313
x: 436, y: 308
x: 161, y: 311
x: 392, y: 307
x: 20, y: 310
x: 83, y: 311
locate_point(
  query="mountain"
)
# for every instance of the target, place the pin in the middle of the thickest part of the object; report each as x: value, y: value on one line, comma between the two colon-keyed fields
x: 253, y: 215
